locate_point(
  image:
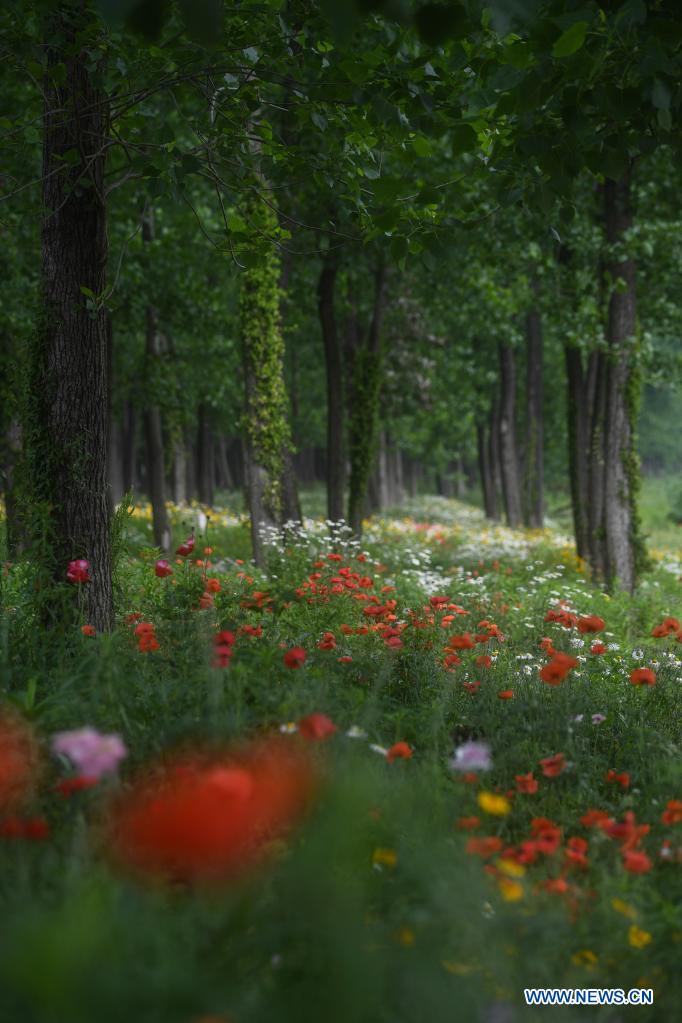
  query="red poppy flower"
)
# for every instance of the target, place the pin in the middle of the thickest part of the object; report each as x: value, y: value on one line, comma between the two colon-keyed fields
x: 471, y: 687
x: 483, y: 661
x: 558, y: 668
x: 526, y: 783
x: 506, y: 694
x: 88, y: 630
x: 209, y: 820
x: 162, y: 569
x: 673, y: 812
x: 643, y: 676
x: 78, y: 571
x: 328, y: 642
x: 187, y: 547
x: 463, y: 641
x: 591, y: 623
x: 666, y: 628
x: 468, y: 823
x: 213, y: 585
x: 595, y: 818
x: 484, y: 847
x: 19, y: 762
x: 636, y: 862
x: 399, y: 751
x: 554, y: 765
x: 317, y: 727
x: 598, y: 648
x: 295, y: 657
x: 612, y: 777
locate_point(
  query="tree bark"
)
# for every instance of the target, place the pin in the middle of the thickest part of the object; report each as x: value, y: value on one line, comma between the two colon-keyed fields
x: 534, y: 476
x: 579, y: 426
x: 509, y: 458
x: 69, y: 385
x: 179, y: 472
x: 494, y: 455
x: 153, y: 428
x: 336, y: 456
x: 485, y: 472
x: 204, y: 456
x: 622, y: 397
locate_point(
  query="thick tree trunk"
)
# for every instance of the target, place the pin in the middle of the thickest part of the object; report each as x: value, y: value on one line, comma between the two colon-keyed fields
x: 153, y: 428
x: 205, y: 456
x: 364, y: 406
x: 534, y: 474
x: 336, y: 456
x: 509, y: 458
x: 69, y: 385
x: 621, y: 477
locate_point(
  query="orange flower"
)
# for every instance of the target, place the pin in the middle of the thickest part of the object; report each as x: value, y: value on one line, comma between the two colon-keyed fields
x: 198, y: 819
x: 673, y: 812
x: 19, y: 761
x: 666, y: 628
x: 636, y: 862
x: 399, y: 751
x: 643, y: 676
x: 88, y: 630
x: 526, y: 783
x: 484, y: 847
x: 506, y: 694
x: 484, y: 661
x: 213, y: 585
x: 463, y: 641
x: 554, y: 765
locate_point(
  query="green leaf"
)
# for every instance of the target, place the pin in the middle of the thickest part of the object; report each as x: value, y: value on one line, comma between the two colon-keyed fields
x: 660, y: 95
x: 570, y: 41
x: 422, y: 146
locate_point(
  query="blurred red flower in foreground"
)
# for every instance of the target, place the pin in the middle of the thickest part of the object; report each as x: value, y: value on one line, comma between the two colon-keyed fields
x: 19, y: 761
x: 208, y: 820
x: 643, y: 677
x: 78, y: 571
x: 316, y: 727
x: 295, y: 657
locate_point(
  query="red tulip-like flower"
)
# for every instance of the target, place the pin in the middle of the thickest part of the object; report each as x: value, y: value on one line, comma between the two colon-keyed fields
x: 209, y: 819
x: 399, y: 751
x: 187, y: 547
x: 19, y: 761
x: 295, y: 657
x: 78, y: 571
x: 162, y: 569
x: 643, y: 677
x: 316, y: 727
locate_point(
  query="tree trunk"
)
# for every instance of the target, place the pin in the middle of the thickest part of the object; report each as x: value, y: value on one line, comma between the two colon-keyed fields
x: 336, y: 457
x: 485, y: 471
x: 226, y: 481
x: 596, y: 475
x: 179, y: 472
x: 534, y: 476
x: 153, y: 429
x: 14, y: 525
x: 128, y: 441
x: 204, y: 456
x: 364, y: 406
x: 69, y: 368
x: 621, y: 478
x: 579, y: 426
x: 509, y: 459
x: 494, y: 454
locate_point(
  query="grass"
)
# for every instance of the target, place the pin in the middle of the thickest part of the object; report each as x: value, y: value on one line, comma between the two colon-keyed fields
x: 412, y: 890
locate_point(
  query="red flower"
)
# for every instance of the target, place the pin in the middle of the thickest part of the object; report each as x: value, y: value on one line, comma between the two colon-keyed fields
x: 451, y: 661
x: 162, y: 569
x: 213, y: 585
x: 506, y: 694
x: 598, y: 648
x: 591, y: 623
x: 554, y: 765
x: 636, y: 862
x: 558, y: 668
x: 67, y: 786
x: 316, y: 727
x: 484, y: 847
x: 643, y: 676
x: 345, y: 660
x: 19, y: 762
x: 526, y: 783
x: 673, y: 812
x: 201, y: 820
x: 34, y: 828
x: 88, y: 630
x: 471, y: 687
x: 295, y: 657
x: 612, y: 777
x: 399, y: 751
x: 187, y: 547
x: 468, y: 823
x: 463, y: 641
x: 78, y: 570
x: 666, y: 628
x: 484, y: 661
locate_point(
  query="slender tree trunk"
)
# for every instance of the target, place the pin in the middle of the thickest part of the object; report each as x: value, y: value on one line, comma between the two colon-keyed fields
x: 153, y: 428
x: 179, y: 472
x: 534, y: 476
x: 226, y: 481
x: 621, y: 480
x: 494, y: 455
x: 596, y: 475
x: 69, y: 370
x: 291, y: 502
x: 485, y: 471
x: 364, y: 406
x: 336, y: 456
x: 509, y: 458
x: 579, y: 426
x: 205, y: 456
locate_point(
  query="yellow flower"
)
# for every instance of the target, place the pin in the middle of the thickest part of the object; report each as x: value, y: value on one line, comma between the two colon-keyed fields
x: 498, y: 806
x: 511, y: 868
x: 584, y: 958
x: 405, y: 937
x: 511, y: 891
x: 637, y: 937
x: 384, y: 858
x: 622, y: 907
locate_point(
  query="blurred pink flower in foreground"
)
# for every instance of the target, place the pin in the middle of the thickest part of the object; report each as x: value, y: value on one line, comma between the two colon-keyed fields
x: 472, y: 756
x: 92, y: 753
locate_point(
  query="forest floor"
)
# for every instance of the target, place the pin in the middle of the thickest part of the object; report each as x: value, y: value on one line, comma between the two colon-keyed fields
x: 498, y: 797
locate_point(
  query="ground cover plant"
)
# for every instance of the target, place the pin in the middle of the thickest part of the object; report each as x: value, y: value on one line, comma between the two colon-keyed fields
x: 484, y: 790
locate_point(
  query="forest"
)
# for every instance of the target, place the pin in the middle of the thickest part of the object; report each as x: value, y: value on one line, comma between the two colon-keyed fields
x: 340, y: 511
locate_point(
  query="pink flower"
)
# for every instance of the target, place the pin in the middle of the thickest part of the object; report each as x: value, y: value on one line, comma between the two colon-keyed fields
x: 93, y: 754
x: 472, y: 756
x: 78, y: 570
